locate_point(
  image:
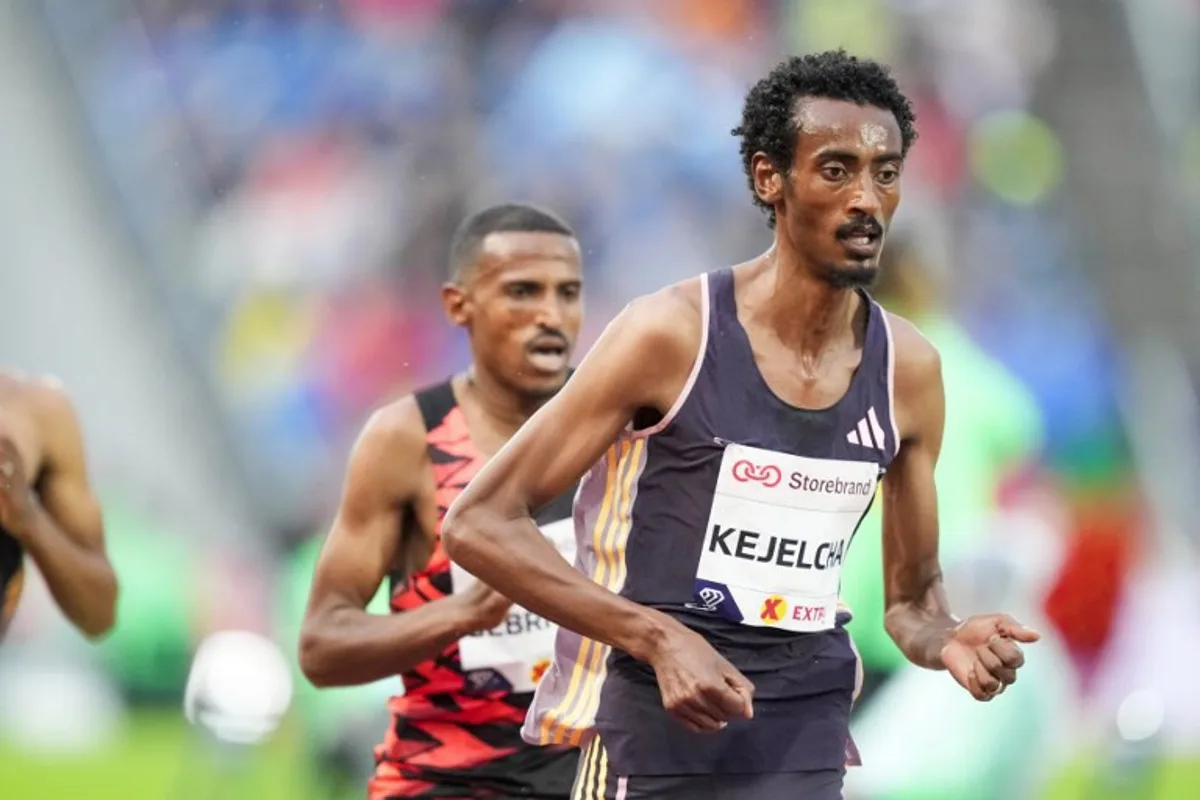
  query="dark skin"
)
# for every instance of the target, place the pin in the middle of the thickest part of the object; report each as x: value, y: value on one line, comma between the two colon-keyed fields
x: 518, y: 299
x: 806, y: 330
x: 47, y: 503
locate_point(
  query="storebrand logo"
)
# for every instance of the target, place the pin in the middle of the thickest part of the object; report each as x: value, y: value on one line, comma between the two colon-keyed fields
x: 745, y: 471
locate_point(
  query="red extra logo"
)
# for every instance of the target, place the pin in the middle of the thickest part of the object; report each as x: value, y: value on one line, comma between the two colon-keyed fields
x: 773, y: 609
x: 538, y: 670
x: 768, y: 475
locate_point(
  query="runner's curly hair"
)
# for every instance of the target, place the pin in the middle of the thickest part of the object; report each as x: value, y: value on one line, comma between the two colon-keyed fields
x: 769, y: 115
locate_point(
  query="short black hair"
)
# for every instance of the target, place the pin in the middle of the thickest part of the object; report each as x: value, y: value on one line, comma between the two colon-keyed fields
x: 769, y: 114
x: 502, y: 218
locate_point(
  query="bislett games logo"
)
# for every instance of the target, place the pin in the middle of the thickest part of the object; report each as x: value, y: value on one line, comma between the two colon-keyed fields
x: 768, y: 475
x: 710, y: 599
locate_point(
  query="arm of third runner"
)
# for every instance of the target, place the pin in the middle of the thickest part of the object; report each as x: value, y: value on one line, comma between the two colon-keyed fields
x: 341, y: 644
x: 66, y: 540
x: 641, y: 361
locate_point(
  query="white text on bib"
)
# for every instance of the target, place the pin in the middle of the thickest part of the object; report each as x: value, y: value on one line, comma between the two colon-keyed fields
x: 521, y: 647
x: 777, y: 535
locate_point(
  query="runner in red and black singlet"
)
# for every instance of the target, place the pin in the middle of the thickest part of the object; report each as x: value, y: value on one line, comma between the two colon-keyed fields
x: 469, y: 660
x: 451, y: 722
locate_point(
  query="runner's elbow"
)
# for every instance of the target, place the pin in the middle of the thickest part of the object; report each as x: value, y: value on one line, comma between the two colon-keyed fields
x: 462, y: 535
x: 316, y: 656
x: 101, y: 616
x: 97, y: 627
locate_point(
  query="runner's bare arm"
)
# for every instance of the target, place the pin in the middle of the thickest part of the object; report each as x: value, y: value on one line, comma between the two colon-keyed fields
x: 641, y: 361
x: 64, y: 532
x: 918, y: 616
x: 341, y: 644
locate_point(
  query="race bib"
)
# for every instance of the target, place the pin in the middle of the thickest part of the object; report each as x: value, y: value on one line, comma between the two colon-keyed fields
x: 519, y: 648
x: 777, y: 535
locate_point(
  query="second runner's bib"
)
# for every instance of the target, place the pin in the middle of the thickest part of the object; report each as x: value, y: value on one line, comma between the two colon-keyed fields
x: 520, y: 647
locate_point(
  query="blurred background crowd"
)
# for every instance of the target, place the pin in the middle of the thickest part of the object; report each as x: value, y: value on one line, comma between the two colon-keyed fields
x: 223, y: 223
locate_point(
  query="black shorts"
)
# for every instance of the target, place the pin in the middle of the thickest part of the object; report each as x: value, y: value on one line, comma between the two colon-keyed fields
x: 595, y: 781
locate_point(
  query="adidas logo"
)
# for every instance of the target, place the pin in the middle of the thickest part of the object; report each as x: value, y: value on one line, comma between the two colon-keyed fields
x: 868, y: 433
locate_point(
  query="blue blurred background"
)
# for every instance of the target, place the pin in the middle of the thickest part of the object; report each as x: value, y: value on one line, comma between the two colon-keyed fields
x: 223, y: 224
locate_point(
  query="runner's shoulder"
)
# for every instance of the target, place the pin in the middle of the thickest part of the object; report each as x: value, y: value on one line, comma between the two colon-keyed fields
x: 667, y: 323
x: 394, y: 433
x: 39, y: 393
x: 917, y: 359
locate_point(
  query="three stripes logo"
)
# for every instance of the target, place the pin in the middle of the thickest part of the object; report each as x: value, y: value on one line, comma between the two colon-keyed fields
x: 868, y: 432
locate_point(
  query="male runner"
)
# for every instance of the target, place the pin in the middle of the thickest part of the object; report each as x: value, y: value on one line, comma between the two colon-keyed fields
x: 47, y: 509
x: 469, y: 662
x: 732, y: 429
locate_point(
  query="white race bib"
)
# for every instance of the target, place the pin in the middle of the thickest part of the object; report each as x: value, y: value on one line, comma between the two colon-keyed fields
x: 521, y: 647
x: 777, y: 535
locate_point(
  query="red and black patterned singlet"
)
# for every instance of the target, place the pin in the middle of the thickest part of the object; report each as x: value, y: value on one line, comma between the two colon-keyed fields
x: 456, y: 733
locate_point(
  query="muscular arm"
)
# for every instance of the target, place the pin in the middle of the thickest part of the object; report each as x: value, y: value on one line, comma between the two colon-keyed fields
x: 64, y: 533
x: 642, y: 360
x: 341, y: 644
x: 918, y: 615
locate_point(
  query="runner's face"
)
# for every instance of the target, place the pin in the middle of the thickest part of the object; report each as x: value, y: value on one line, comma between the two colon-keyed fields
x: 521, y: 302
x: 837, y: 200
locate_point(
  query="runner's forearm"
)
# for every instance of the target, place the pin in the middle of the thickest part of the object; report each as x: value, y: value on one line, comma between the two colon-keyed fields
x: 348, y: 646
x: 921, y: 630
x: 80, y: 579
x: 514, y: 558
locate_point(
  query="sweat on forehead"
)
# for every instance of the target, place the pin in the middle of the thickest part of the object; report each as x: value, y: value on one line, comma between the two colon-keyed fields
x: 868, y: 126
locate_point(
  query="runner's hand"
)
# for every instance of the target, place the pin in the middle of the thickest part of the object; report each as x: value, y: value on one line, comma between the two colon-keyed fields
x: 699, y: 687
x: 983, y: 656
x: 485, y: 608
x: 16, y: 502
